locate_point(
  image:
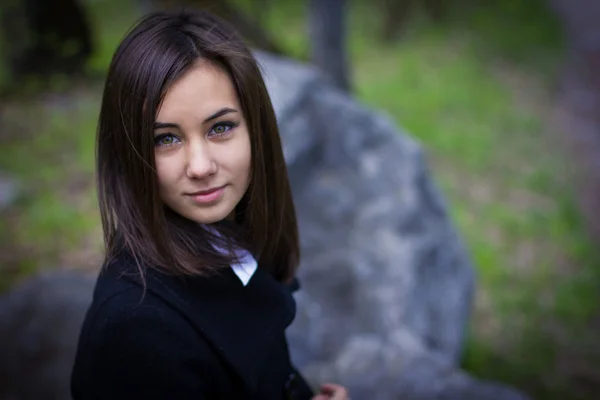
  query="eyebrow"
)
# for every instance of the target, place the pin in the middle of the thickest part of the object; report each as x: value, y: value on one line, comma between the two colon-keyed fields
x: 220, y: 113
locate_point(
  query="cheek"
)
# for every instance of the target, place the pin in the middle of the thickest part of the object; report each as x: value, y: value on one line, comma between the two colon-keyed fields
x: 235, y: 158
x: 165, y: 171
x: 245, y: 164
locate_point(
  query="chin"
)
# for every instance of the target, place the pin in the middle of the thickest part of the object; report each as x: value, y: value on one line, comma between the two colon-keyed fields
x: 209, y: 216
x: 207, y: 221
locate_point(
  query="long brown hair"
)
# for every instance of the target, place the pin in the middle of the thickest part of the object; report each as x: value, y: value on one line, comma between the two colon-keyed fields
x: 158, y: 50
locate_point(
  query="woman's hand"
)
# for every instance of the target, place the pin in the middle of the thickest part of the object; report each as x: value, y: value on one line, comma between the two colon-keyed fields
x: 331, y: 391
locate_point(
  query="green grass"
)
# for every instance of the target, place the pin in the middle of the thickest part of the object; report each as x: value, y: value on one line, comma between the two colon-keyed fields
x: 53, y: 160
x: 450, y: 87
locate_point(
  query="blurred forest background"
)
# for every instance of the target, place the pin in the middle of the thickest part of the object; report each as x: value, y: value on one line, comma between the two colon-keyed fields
x: 503, y: 95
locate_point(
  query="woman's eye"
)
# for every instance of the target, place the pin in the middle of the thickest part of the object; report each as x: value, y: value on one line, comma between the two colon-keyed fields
x: 165, y: 140
x: 222, y: 128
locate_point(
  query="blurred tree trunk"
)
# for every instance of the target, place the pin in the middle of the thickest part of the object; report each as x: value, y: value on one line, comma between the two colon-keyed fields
x: 396, y: 13
x: 44, y: 37
x: 247, y: 25
x: 327, y: 28
x: 581, y: 95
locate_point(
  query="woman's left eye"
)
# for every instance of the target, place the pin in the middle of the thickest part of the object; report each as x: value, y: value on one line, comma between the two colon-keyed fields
x: 222, y: 128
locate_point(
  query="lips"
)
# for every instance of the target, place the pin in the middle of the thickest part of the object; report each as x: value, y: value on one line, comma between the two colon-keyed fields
x: 205, y: 192
x: 207, y: 197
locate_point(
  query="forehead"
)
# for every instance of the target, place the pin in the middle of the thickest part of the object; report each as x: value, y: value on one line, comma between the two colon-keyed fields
x: 199, y: 92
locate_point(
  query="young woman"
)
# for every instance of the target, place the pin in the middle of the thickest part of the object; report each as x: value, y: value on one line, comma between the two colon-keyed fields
x: 201, y: 238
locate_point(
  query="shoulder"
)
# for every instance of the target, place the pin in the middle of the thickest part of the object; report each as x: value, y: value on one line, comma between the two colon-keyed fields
x: 140, y: 349
x: 132, y: 343
x: 122, y: 305
x: 133, y: 318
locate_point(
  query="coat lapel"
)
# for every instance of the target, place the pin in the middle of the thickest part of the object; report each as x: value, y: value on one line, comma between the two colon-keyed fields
x: 240, y: 322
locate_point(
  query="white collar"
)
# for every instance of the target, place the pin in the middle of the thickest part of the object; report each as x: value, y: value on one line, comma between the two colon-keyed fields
x: 247, y: 265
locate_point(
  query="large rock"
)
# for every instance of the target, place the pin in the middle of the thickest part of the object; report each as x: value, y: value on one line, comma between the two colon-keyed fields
x: 387, y: 284
x: 379, y: 251
x: 41, y: 319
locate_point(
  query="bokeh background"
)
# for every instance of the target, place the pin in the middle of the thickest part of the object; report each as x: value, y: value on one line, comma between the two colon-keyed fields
x: 502, y: 94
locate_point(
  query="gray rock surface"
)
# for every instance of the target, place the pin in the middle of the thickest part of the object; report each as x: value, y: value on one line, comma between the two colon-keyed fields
x: 387, y: 285
x: 8, y: 191
x: 379, y: 251
x: 398, y: 366
x: 41, y: 319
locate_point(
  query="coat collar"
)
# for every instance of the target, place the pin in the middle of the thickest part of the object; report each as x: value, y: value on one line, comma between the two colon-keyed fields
x: 240, y: 322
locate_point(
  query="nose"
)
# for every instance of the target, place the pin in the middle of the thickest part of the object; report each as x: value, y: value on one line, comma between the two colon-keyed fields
x: 200, y: 163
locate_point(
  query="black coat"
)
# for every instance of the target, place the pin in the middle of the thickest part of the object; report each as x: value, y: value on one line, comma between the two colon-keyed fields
x: 192, y: 338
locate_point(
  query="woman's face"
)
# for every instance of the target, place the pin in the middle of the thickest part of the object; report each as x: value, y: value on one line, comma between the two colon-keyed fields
x: 202, y: 146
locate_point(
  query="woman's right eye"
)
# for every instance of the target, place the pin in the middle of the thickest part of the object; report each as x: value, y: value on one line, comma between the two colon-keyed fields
x: 166, y: 139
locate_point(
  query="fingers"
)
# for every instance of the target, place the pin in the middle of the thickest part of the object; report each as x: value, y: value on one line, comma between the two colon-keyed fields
x: 332, y: 391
